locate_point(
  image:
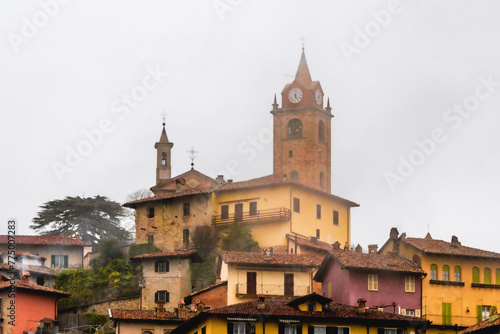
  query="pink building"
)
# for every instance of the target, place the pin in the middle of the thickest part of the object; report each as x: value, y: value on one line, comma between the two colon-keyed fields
x: 387, y: 282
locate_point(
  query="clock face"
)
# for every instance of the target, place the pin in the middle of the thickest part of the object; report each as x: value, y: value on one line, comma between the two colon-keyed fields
x: 318, y: 96
x: 295, y: 95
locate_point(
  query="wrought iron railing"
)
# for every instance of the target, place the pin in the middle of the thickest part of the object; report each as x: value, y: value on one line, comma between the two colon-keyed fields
x: 260, y: 216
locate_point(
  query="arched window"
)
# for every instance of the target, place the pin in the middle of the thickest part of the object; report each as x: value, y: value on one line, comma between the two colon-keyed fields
x: 475, y: 275
x: 321, y: 131
x: 446, y: 273
x: 321, y: 180
x: 487, y: 276
x: 434, y: 271
x: 164, y: 158
x: 147, y: 332
x: 294, y: 176
x: 294, y: 128
x: 458, y: 274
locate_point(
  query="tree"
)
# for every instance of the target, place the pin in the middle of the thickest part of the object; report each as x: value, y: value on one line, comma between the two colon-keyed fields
x: 109, y: 249
x: 93, y: 218
x: 238, y: 238
x: 205, y: 240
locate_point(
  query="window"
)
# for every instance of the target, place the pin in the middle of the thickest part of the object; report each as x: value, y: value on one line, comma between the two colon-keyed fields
x: 319, y: 330
x: 446, y: 273
x: 40, y: 281
x: 204, y: 330
x: 410, y: 313
x: 321, y: 180
x: 434, y: 271
x: 162, y: 295
x: 342, y: 330
x: 186, y: 209
x: 321, y: 131
x: 311, y: 307
x: 409, y: 283
x: 151, y: 212
x: 290, y: 154
x: 296, y: 204
x: 294, y: 128
x: 238, y: 328
x: 289, y: 285
x: 238, y: 212
x: 457, y: 277
x: 317, y: 233
x: 318, y: 211
x: 497, y: 274
x: 185, y: 237
x: 390, y: 331
x: 475, y: 275
x: 294, y: 176
x: 289, y: 329
x: 335, y: 217
x: 446, y: 314
x: 59, y: 261
x: 147, y: 331
x: 163, y: 158
x: 251, y: 283
x: 151, y: 239
x: 372, y: 282
x: 485, y: 312
x: 224, y: 211
x: 253, y: 208
x: 487, y: 276
x: 162, y: 266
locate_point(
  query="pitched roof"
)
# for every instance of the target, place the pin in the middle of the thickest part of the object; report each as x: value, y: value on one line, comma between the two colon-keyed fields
x: 183, y: 254
x: 33, y: 287
x: 303, y: 241
x: 333, y: 312
x: 44, y: 240
x: 303, y: 76
x: 34, y: 269
x: 208, y: 288
x: 143, y: 315
x: 274, y: 260
x: 481, y: 325
x: 440, y: 247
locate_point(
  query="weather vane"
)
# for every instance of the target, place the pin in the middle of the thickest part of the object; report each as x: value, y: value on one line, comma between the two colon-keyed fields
x: 164, y: 116
x: 192, y: 156
x: 303, y: 39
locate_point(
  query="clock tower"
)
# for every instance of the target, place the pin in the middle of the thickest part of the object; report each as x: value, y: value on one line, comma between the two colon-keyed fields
x: 163, y: 163
x: 302, y: 132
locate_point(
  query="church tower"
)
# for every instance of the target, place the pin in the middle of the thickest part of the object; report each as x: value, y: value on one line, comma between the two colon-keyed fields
x: 163, y: 166
x: 302, y: 132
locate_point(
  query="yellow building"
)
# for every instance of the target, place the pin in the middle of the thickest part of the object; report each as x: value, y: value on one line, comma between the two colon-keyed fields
x: 462, y: 286
x: 295, y: 200
x: 308, y: 314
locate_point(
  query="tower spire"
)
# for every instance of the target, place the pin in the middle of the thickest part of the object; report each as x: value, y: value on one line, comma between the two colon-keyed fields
x: 303, y: 76
x: 163, y: 156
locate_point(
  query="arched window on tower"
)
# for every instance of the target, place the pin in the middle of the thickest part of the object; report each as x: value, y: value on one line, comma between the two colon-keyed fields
x: 322, y: 180
x: 294, y: 176
x: 164, y: 158
x: 294, y: 128
x: 321, y: 131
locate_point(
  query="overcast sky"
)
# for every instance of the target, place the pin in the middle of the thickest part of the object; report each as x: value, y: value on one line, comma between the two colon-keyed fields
x: 414, y: 87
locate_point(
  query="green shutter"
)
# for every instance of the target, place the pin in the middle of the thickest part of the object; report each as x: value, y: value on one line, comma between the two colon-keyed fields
x: 497, y: 274
x: 65, y: 261
x: 479, y: 313
x: 475, y: 275
x: 281, y: 328
x: 52, y: 260
x: 446, y: 314
x: 487, y: 276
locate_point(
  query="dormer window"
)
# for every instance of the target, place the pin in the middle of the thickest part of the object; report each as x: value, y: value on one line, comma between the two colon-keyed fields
x: 311, y: 307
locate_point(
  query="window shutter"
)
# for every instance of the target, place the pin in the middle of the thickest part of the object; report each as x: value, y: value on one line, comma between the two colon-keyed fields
x: 417, y: 313
x: 248, y: 328
x: 167, y: 297
x: 65, y: 261
x: 330, y: 330
x: 479, y: 313
x: 345, y: 330
x: 281, y: 328
x: 380, y: 331
x: 156, y: 297
x: 167, y: 266
x: 399, y: 331
x: 310, y: 330
x: 229, y: 328
x: 299, y: 329
x: 52, y: 260
x: 403, y: 311
x: 156, y: 266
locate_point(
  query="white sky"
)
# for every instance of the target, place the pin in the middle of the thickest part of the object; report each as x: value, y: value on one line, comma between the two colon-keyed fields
x: 64, y: 77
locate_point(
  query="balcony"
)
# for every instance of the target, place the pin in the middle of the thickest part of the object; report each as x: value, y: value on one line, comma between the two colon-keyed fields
x: 261, y: 216
x: 275, y: 290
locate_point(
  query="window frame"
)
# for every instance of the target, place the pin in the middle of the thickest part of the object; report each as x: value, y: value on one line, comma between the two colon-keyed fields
x: 457, y: 274
x: 409, y: 284
x: 446, y: 273
x: 434, y: 271
x: 159, y: 294
x: 372, y: 282
x: 55, y: 259
x: 162, y: 266
x: 151, y: 212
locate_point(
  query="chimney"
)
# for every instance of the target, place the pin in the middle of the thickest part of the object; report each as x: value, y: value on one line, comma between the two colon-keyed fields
x: 160, y: 309
x: 25, y: 277
x: 372, y: 249
x: 181, y: 310
x: 230, y: 181
x: 199, y: 306
x: 359, y: 249
x: 346, y: 246
x: 394, y: 234
x: 336, y: 245
x: 78, y: 237
x: 361, y: 305
x: 454, y: 241
x: 220, y: 180
x: 261, y: 305
x: 267, y: 254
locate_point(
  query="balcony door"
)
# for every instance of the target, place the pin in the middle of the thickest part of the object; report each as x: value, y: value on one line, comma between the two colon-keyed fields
x: 238, y: 212
x: 288, y: 284
x: 251, y: 283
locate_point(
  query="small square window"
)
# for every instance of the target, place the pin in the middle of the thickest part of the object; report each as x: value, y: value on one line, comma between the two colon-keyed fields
x: 409, y: 283
x: 151, y: 212
x: 162, y: 296
x: 162, y: 266
x: 372, y: 282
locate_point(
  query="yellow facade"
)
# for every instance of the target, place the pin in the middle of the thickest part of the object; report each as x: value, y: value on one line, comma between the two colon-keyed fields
x: 442, y: 294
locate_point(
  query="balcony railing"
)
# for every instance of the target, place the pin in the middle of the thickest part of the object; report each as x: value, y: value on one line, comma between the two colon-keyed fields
x: 271, y: 290
x: 261, y: 216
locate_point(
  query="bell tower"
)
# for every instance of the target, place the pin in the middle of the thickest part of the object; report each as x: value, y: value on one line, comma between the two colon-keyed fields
x: 302, y: 132
x: 163, y: 166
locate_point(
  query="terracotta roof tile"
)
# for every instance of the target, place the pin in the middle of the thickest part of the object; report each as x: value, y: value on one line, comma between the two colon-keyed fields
x: 275, y: 260
x: 434, y: 246
x: 481, y: 325
x: 385, y: 262
x: 33, y: 287
x: 143, y: 315
x: 208, y: 288
x: 173, y: 254
x: 44, y: 240
x: 303, y: 241
x: 167, y: 195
